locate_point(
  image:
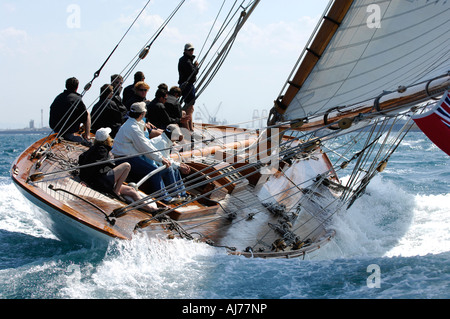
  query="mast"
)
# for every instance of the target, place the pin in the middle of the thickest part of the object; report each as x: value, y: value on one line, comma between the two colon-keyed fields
x: 312, y: 53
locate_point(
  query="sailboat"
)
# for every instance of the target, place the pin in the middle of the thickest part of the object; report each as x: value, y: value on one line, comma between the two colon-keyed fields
x: 273, y: 192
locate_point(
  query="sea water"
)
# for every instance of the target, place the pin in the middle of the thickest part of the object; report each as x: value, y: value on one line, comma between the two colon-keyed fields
x: 394, y: 242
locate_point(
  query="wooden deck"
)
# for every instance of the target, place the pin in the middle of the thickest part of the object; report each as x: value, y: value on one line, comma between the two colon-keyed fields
x: 229, y: 207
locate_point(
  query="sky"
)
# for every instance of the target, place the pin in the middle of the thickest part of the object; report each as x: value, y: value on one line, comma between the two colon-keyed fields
x: 44, y: 42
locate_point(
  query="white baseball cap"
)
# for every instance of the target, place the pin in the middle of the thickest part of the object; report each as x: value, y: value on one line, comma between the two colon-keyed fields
x: 139, y: 107
x: 102, y: 134
x: 188, y: 47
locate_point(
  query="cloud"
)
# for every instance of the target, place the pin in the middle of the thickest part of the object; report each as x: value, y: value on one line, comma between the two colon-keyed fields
x: 279, y: 37
x: 9, y: 7
x: 12, y: 41
x: 145, y: 20
x: 199, y: 5
x: 148, y: 24
x: 12, y: 32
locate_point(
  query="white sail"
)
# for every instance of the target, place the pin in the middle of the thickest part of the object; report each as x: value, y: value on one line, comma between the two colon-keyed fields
x: 379, y: 46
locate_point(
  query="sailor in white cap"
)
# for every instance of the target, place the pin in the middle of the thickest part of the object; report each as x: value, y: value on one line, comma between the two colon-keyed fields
x: 131, y: 140
x: 102, y: 134
x: 106, y: 177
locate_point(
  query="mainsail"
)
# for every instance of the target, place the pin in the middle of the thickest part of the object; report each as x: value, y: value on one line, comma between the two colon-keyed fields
x: 365, y: 48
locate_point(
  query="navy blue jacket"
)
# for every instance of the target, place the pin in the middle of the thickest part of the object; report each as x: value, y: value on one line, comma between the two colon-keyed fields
x: 62, y: 107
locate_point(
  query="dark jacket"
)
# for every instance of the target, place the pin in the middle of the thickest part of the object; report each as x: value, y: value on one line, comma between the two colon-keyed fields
x: 133, y: 99
x: 173, y: 108
x: 157, y: 115
x: 187, y: 70
x: 95, y: 175
x: 128, y: 93
x: 61, y: 109
x: 119, y: 103
x: 106, y: 113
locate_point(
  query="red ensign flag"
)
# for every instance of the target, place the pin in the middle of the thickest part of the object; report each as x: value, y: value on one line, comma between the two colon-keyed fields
x: 436, y: 123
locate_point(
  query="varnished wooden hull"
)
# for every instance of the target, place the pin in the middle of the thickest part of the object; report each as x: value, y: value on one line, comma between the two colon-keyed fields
x: 232, y: 206
x: 66, y: 228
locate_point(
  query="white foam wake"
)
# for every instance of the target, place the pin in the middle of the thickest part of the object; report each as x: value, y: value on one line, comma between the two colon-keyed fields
x: 17, y: 214
x: 144, y: 268
x: 387, y: 221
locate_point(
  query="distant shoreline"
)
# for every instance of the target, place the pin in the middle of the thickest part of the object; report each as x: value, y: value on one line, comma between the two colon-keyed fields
x: 48, y: 131
x: 45, y: 131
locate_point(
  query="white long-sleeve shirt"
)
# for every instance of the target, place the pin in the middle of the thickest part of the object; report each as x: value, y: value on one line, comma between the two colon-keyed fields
x: 131, y: 140
x: 164, y: 144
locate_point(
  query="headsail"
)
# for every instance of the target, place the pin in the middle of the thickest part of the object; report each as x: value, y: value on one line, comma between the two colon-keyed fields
x: 377, y: 47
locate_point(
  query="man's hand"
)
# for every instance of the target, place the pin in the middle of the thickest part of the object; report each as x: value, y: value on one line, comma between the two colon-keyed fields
x: 86, y: 136
x: 166, y: 162
x: 155, y: 133
x: 184, y: 169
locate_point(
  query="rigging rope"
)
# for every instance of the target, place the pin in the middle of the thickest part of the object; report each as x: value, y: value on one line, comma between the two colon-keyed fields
x: 314, y: 216
x: 222, y: 55
x: 291, y: 153
x: 141, y: 55
x: 216, y: 189
x: 363, y: 157
x: 97, y: 73
x: 211, y: 29
x: 213, y: 67
x: 285, y: 154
